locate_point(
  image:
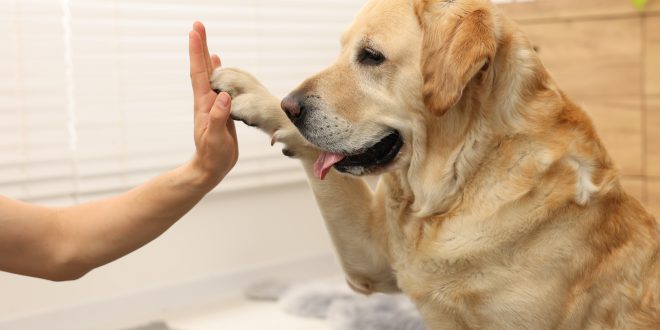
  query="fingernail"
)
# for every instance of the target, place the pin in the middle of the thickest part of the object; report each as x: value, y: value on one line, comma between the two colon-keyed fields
x: 225, y: 99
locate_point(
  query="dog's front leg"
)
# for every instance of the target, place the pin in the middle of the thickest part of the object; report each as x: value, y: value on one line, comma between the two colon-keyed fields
x: 348, y: 205
x: 354, y: 218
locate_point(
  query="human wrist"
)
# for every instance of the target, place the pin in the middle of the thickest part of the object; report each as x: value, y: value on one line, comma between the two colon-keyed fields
x: 201, y: 177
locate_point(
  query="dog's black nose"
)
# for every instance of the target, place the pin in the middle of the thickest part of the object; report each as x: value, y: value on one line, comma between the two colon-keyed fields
x: 292, y: 107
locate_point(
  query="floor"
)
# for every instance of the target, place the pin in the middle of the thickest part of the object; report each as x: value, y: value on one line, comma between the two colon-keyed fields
x: 240, y: 314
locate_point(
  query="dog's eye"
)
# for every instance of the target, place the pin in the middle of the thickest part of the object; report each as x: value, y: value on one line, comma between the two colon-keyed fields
x: 368, y: 56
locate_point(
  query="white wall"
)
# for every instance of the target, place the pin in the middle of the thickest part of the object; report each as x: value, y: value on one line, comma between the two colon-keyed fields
x: 226, y: 232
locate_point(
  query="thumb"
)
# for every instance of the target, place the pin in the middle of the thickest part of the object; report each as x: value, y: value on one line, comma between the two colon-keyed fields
x: 220, y: 113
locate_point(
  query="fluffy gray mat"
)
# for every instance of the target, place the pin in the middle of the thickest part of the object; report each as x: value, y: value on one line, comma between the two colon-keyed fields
x: 334, y: 301
x: 153, y: 326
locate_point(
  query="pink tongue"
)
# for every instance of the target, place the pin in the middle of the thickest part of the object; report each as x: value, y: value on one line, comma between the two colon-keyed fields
x: 325, y: 162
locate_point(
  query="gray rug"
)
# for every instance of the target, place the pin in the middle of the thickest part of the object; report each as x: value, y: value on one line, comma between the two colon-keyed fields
x: 152, y: 326
x: 341, y: 307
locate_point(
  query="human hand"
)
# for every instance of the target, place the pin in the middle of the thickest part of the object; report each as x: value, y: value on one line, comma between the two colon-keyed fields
x: 215, y: 134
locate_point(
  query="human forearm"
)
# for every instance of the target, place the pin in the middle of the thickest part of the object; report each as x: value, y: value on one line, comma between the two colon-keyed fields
x: 66, y: 243
x: 103, y: 231
x: 127, y: 222
x: 30, y: 242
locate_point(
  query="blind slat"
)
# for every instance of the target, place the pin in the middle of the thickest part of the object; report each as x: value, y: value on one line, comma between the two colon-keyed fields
x: 95, y: 95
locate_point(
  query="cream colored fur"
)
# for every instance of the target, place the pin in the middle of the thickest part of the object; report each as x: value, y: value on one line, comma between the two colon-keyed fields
x: 503, y: 209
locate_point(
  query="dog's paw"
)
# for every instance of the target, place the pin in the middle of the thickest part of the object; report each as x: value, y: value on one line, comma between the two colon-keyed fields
x: 295, y: 145
x: 254, y: 105
x: 236, y: 82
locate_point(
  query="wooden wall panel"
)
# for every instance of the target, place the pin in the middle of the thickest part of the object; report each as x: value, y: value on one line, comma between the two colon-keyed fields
x: 567, y: 9
x: 654, y: 198
x: 635, y: 187
x: 592, y: 58
x: 653, y: 137
x: 653, y: 6
x: 652, y: 56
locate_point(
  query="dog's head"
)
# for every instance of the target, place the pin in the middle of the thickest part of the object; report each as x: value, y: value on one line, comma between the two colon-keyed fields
x: 403, y: 63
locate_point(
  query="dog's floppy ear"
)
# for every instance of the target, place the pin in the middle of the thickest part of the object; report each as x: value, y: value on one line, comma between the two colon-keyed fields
x: 457, y: 43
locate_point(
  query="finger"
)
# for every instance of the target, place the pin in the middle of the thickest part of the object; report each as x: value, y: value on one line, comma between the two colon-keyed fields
x: 215, y: 61
x: 201, y: 29
x: 198, y: 70
x: 219, y: 115
x: 232, y: 130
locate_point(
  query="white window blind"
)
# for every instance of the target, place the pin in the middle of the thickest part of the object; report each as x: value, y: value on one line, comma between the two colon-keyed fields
x: 95, y: 95
x: 34, y: 151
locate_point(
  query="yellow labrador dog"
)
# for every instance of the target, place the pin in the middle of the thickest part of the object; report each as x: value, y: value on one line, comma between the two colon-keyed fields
x: 498, y: 206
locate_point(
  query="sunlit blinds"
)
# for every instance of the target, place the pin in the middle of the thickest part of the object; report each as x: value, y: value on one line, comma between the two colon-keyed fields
x: 35, y: 157
x: 95, y: 95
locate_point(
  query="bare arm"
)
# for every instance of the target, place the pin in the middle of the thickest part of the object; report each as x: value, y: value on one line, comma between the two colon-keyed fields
x: 66, y: 243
